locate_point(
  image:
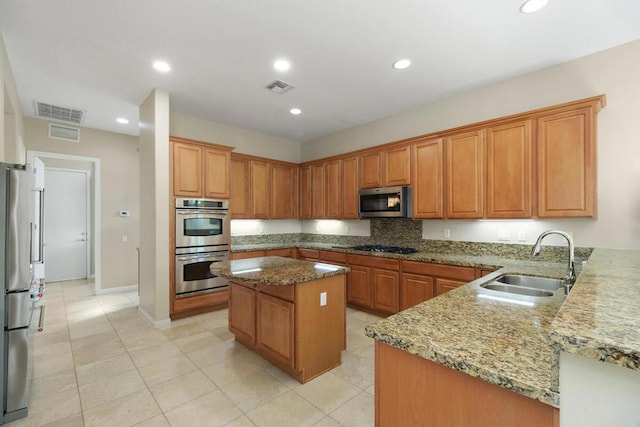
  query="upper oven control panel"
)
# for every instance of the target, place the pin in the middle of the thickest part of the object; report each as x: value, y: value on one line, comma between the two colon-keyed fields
x: 184, y: 203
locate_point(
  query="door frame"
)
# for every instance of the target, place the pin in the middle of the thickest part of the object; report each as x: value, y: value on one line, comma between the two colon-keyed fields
x: 89, y: 236
x: 96, y: 203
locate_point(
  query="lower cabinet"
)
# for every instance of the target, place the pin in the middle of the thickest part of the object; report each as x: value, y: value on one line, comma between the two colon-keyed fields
x: 242, y: 319
x: 275, y: 334
x: 446, y: 285
x: 359, y: 286
x: 415, y: 289
x: 373, y: 283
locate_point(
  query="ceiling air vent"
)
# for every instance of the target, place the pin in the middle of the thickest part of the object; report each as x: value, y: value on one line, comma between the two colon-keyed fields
x: 279, y: 87
x: 66, y: 133
x: 57, y: 112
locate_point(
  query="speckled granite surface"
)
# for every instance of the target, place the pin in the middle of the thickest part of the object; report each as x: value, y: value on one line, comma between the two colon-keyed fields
x: 275, y: 270
x: 601, y: 318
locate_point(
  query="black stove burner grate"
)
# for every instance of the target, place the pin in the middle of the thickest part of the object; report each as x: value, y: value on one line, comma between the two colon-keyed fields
x: 383, y: 248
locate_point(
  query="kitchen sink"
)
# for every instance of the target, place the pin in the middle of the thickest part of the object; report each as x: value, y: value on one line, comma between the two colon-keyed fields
x: 524, y: 285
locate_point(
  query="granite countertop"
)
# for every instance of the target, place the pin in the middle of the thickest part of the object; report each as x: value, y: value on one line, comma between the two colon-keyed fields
x: 275, y: 270
x: 601, y: 318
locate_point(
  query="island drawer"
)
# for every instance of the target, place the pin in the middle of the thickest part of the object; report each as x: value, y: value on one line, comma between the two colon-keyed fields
x: 286, y: 292
x: 439, y: 270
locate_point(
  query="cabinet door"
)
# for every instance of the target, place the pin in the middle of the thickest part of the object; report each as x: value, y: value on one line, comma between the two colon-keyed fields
x: 239, y: 203
x: 284, y: 186
x: 306, y: 189
x: 242, y: 313
x: 217, y: 174
x: 350, y: 209
x: 386, y: 286
x: 415, y: 289
x: 566, y: 164
x: 260, y: 187
x: 359, y: 286
x: 509, y: 170
x: 187, y: 170
x: 275, y: 328
x: 333, y: 207
x: 318, y: 191
x: 445, y: 285
x: 427, y: 158
x: 465, y: 175
x: 397, y: 166
x: 371, y: 170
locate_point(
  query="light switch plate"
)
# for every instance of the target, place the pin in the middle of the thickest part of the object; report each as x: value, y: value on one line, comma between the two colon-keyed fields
x: 323, y: 299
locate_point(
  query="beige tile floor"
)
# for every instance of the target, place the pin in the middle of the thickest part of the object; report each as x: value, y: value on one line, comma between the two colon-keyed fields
x: 99, y: 364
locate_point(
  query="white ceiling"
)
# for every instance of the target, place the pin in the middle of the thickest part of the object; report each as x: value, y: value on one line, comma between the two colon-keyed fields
x: 96, y: 55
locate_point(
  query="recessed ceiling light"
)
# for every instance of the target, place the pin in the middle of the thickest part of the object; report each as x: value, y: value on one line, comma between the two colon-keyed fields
x: 531, y: 6
x: 282, y: 65
x: 295, y: 111
x: 122, y: 120
x: 401, y: 64
x: 162, y: 66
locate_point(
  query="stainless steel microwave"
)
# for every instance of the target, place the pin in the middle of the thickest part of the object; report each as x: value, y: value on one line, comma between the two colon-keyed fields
x: 385, y: 202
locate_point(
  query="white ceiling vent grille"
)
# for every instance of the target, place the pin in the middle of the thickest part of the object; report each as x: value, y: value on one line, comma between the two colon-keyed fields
x: 66, y: 133
x: 279, y: 87
x: 57, y: 112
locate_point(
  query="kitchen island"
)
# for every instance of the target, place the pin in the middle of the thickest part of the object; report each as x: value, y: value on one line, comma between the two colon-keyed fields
x: 289, y: 311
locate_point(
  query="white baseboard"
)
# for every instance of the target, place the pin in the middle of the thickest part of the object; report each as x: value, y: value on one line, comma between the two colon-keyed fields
x: 156, y: 324
x: 119, y: 289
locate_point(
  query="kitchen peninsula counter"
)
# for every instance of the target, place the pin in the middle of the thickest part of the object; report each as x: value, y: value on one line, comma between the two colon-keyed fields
x: 291, y: 312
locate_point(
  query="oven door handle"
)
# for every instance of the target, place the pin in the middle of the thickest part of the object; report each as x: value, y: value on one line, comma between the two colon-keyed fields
x: 199, y: 212
x: 190, y: 257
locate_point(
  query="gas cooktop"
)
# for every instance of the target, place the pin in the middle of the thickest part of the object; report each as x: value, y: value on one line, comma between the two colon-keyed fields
x: 383, y: 248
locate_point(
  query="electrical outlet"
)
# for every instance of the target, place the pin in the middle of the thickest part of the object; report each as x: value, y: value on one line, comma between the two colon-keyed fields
x: 124, y: 238
x: 447, y: 233
x: 522, y: 236
x: 323, y: 299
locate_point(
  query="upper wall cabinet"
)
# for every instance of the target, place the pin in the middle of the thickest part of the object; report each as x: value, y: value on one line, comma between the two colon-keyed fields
x: 306, y: 189
x: 567, y: 164
x: 427, y: 162
x: 239, y: 204
x: 509, y: 161
x: 284, y: 190
x: 333, y: 188
x: 385, y: 168
x: 200, y: 169
x: 465, y: 174
x: 349, y: 186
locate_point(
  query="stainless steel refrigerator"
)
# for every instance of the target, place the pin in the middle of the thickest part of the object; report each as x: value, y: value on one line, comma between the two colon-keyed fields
x: 16, y: 306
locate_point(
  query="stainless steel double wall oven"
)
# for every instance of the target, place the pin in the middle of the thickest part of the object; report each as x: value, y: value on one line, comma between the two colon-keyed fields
x: 202, y: 237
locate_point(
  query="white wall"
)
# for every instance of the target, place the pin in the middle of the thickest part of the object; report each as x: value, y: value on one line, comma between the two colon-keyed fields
x: 119, y: 190
x: 12, y: 149
x: 613, y: 72
x: 245, y: 141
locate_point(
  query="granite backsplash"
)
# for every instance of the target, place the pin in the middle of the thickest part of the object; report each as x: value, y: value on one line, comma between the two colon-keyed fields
x: 408, y: 233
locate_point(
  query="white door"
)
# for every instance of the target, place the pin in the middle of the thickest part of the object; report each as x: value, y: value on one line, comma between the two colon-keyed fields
x: 65, y: 218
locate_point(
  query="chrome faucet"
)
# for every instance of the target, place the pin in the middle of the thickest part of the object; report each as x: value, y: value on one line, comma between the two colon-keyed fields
x: 570, y: 278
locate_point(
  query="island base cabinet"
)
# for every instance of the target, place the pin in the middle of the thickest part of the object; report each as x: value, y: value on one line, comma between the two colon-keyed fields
x: 412, y: 391
x: 295, y: 327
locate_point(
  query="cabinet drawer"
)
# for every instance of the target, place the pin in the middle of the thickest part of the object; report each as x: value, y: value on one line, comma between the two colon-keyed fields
x: 338, y: 257
x: 284, y: 292
x: 304, y: 253
x: 439, y: 270
x: 443, y: 285
x: 248, y: 254
x: 287, y: 252
x: 374, y: 261
x: 200, y: 301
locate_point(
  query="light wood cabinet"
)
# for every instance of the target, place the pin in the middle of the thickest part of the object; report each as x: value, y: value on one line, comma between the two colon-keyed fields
x: 373, y: 283
x: 318, y: 193
x: 509, y: 169
x: 414, y: 289
x: 306, y: 191
x: 465, y: 175
x: 242, y: 320
x: 275, y: 329
x: 239, y: 204
x: 567, y: 164
x: 291, y: 329
x: 397, y: 166
x: 260, y: 184
x: 284, y: 190
x: 333, y: 187
x: 413, y: 391
x: 371, y: 170
x: 200, y: 169
x: 349, y: 185
x: 339, y: 258
x: 445, y: 285
x: 427, y: 168
x: 247, y: 254
x: 308, y: 254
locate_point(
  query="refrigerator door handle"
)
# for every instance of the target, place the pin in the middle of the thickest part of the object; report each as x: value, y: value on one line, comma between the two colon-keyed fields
x: 41, y: 248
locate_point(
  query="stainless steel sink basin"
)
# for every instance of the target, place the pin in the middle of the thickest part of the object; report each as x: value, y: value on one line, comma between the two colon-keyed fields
x: 544, y: 283
x: 524, y: 285
x: 519, y: 290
